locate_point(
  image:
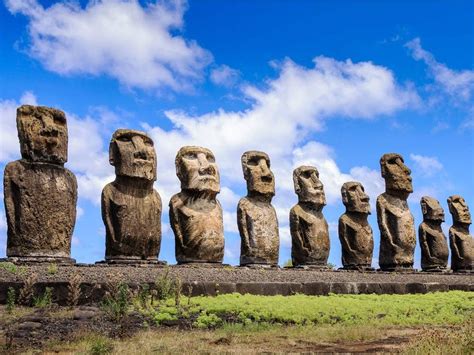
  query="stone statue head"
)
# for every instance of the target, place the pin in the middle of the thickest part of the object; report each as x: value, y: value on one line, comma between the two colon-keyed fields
x: 43, y: 134
x: 354, y: 197
x: 133, y: 154
x: 308, y: 187
x: 197, y: 170
x: 459, y: 209
x: 257, y: 173
x: 396, y: 173
x: 431, y: 209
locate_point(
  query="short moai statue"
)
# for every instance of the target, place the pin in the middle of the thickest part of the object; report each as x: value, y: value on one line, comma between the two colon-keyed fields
x: 40, y: 193
x: 195, y: 212
x: 256, y: 217
x: 460, y: 241
x: 396, y: 223
x: 131, y: 208
x: 355, y: 233
x: 434, y: 247
x: 309, y: 229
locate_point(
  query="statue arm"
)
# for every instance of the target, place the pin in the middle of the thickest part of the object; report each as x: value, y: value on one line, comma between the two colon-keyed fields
x: 242, y: 225
x: 295, y: 231
x: 8, y: 188
x: 454, y: 245
x: 175, y: 225
x: 107, y: 214
x: 343, y: 232
x: 382, y: 222
x: 424, y: 242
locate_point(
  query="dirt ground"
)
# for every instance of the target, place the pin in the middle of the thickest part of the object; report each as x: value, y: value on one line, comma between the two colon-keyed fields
x: 88, y: 329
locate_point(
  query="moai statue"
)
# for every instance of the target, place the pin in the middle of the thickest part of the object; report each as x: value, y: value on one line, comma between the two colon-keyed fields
x: 355, y: 233
x: 40, y: 194
x: 256, y: 217
x: 309, y: 229
x: 195, y: 213
x: 460, y: 241
x: 396, y: 223
x: 434, y: 247
x: 131, y: 208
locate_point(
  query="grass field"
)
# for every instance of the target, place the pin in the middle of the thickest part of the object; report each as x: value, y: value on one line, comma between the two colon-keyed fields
x: 172, y: 323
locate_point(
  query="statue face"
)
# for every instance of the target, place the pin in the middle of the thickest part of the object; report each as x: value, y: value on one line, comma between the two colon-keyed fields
x: 197, y: 169
x: 459, y: 209
x: 396, y: 173
x: 257, y: 173
x: 431, y: 209
x: 354, y: 197
x: 308, y: 187
x: 133, y: 155
x: 43, y: 134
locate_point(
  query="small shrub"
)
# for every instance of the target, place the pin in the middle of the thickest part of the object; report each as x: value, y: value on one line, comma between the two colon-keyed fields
x: 8, y: 266
x: 207, y: 321
x: 288, y: 263
x: 45, y: 300
x: 144, y: 296
x: 101, y: 346
x: 165, y: 286
x: 116, y: 304
x: 11, y: 299
x: 52, y: 269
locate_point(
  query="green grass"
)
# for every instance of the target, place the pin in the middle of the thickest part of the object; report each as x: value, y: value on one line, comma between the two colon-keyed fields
x: 439, y: 308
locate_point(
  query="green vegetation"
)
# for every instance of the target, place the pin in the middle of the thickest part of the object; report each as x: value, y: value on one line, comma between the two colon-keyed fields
x: 52, y: 269
x: 45, y: 300
x: 11, y: 297
x: 12, y: 268
x: 116, y: 304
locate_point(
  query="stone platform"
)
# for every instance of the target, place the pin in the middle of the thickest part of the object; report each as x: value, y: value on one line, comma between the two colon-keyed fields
x: 226, y: 279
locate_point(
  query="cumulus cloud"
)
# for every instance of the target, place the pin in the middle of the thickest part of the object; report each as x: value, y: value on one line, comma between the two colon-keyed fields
x: 427, y: 166
x: 135, y: 44
x: 458, y: 84
x: 224, y: 75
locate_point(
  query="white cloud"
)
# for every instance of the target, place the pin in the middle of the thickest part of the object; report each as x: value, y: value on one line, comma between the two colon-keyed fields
x: 458, y: 84
x: 224, y: 75
x: 120, y: 38
x: 427, y: 166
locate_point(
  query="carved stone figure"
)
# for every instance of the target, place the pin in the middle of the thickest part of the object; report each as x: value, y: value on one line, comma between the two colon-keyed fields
x: 256, y: 217
x: 195, y: 213
x: 355, y: 232
x: 40, y: 194
x: 131, y: 208
x: 396, y: 223
x: 434, y: 247
x: 460, y: 241
x: 309, y: 229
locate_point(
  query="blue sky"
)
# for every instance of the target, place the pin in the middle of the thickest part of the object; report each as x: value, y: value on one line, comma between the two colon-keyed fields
x: 335, y: 84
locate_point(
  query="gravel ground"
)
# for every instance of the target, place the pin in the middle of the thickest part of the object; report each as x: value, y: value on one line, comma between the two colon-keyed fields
x: 140, y: 274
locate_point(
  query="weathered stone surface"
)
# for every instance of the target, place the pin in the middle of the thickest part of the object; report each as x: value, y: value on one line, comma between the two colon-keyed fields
x: 434, y: 247
x: 396, y: 223
x: 195, y: 213
x: 355, y: 233
x: 256, y: 217
x: 131, y: 208
x: 460, y: 241
x: 309, y: 229
x: 40, y: 194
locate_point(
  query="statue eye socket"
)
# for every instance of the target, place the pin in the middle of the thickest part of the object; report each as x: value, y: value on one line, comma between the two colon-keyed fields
x: 59, y: 120
x: 148, y: 143
x: 307, y: 174
x: 253, y: 162
x: 210, y: 158
x: 189, y: 156
x: 124, y: 139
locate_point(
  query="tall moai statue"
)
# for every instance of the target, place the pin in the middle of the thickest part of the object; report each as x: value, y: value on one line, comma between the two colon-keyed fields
x: 460, y: 241
x: 40, y: 193
x: 256, y: 217
x: 131, y: 208
x: 434, y: 247
x: 355, y: 233
x: 195, y: 212
x: 396, y: 223
x: 309, y: 229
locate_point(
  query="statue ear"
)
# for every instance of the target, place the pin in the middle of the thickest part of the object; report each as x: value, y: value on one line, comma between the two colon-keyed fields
x: 112, y: 153
x: 424, y: 207
x: 344, y: 196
